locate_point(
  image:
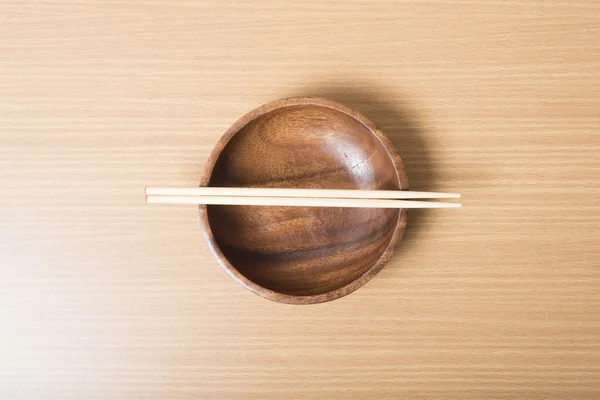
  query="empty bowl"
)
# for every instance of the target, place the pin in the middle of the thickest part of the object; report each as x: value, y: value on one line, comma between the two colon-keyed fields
x: 303, y: 255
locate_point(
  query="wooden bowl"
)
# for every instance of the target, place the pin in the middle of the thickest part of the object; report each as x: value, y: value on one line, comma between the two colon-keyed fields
x: 303, y: 255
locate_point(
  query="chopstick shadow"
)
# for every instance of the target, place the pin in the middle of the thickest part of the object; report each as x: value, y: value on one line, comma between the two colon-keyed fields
x: 401, y: 125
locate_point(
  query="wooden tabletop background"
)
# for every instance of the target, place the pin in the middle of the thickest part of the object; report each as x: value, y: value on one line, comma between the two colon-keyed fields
x: 103, y: 296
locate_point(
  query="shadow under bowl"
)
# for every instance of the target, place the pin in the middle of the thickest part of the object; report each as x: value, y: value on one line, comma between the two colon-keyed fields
x: 303, y: 255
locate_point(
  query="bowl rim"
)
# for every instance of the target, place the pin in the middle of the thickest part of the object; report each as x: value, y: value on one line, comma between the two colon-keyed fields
x: 336, y: 293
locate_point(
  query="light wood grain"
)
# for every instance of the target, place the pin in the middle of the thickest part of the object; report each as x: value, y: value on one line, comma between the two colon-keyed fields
x: 298, y: 202
x: 288, y: 192
x: 104, y: 296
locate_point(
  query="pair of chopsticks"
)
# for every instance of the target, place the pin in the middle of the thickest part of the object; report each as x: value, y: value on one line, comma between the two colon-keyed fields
x: 298, y: 197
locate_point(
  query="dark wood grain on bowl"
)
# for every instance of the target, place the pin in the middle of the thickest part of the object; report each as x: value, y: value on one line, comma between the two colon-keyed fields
x: 303, y: 254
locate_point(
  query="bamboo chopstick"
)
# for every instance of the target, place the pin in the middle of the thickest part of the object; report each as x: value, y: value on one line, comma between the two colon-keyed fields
x: 295, y: 201
x: 300, y: 193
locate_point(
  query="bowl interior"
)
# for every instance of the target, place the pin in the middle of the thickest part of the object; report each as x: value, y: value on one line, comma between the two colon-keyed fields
x: 303, y: 251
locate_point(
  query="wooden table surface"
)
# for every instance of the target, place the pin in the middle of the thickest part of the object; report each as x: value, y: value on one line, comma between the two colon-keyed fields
x: 103, y: 296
